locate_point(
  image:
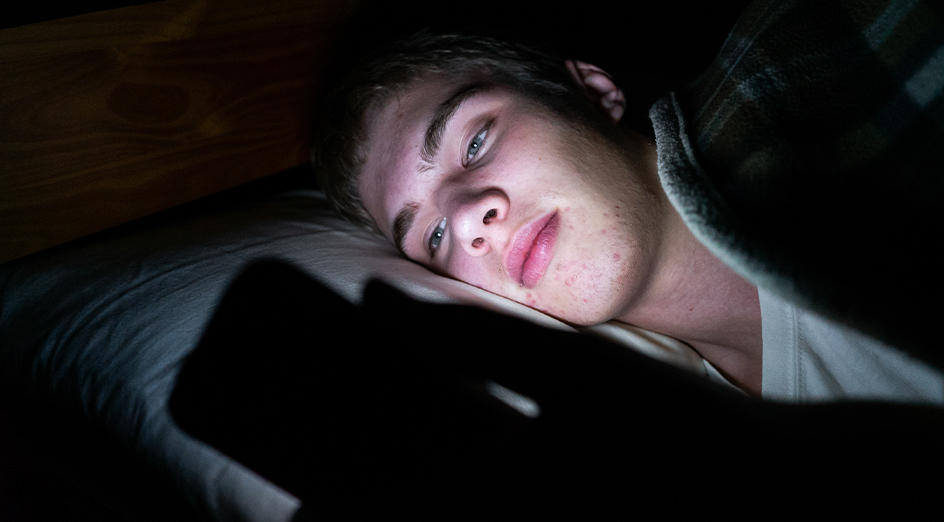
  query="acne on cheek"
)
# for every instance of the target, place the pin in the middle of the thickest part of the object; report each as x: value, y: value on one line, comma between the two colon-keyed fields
x: 586, y: 283
x: 580, y: 304
x: 568, y: 274
x: 571, y: 280
x: 530, y: 300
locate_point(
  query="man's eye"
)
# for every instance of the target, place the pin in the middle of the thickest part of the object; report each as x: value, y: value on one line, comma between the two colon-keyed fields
x: 476, y: 144
x: 436, y: 237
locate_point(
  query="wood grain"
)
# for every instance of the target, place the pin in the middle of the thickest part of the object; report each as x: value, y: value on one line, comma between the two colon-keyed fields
x: 112, y: 116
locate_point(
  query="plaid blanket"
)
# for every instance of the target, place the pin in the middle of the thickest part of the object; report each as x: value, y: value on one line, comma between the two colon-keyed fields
x: 810, y: 157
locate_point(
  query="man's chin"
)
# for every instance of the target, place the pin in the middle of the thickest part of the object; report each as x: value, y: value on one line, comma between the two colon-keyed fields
x: 565, y: 309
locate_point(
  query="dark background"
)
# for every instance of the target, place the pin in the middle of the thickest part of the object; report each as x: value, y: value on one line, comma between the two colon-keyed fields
x: 649, y: 47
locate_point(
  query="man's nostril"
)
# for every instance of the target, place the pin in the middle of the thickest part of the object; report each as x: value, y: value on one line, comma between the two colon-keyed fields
x: 490, y: 215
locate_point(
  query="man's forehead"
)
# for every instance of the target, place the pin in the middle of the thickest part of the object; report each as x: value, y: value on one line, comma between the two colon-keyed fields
x: 395, y: 131
x: 409, y: 99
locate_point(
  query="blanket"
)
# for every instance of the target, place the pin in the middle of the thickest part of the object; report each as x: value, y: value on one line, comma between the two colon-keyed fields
x: 809, y: 158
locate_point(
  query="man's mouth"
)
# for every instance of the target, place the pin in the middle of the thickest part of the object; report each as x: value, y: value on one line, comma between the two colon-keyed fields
x: 532, y: 250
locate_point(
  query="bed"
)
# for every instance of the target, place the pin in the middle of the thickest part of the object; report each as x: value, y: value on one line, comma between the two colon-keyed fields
x: 188, y: 332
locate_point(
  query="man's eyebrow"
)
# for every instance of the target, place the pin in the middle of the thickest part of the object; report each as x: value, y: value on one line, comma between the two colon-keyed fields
x: 403, y: 223
x: 441, y: 116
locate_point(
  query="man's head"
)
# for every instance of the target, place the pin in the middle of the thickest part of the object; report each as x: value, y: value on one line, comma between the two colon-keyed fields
x: 343, y: 140
x: 499, y: 166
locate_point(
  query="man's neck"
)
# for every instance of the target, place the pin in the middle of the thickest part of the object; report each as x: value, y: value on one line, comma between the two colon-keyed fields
x: 696, y: 298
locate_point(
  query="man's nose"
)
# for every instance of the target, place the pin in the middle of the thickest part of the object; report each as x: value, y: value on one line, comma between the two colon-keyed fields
x: 479, y: 223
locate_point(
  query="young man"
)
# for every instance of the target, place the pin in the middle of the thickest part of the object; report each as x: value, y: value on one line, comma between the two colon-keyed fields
x: 505, y: 168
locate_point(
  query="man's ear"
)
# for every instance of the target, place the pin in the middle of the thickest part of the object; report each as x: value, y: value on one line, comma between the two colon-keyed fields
x: 599, y: 87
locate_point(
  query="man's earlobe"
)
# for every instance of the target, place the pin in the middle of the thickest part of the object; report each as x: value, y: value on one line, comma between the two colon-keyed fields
x: 599, y: 87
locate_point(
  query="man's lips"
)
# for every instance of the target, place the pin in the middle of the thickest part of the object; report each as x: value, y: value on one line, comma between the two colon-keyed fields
x: 532, y: 250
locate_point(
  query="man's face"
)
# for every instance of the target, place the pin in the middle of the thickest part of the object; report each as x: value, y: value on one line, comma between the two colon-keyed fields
x: 511, y: 200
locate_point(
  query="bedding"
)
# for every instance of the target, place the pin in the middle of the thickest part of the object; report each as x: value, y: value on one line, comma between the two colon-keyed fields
x: 102, y: 326
x: 808, y: 158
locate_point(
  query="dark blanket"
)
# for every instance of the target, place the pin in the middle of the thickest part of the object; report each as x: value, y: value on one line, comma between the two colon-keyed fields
x: 810, y: 157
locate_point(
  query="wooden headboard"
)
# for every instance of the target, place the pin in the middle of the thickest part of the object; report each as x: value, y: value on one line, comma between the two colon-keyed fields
x: 114, y: 115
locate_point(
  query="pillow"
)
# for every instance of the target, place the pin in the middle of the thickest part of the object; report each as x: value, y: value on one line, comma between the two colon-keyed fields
x: 102, y: 326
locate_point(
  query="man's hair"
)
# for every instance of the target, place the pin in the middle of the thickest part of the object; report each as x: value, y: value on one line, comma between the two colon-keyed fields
x: 342, y: 144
